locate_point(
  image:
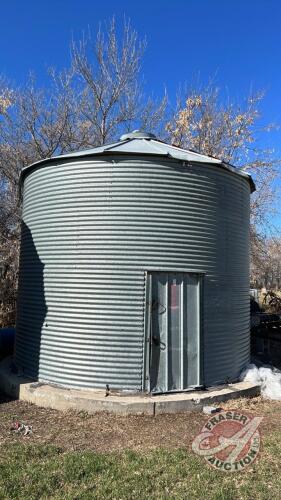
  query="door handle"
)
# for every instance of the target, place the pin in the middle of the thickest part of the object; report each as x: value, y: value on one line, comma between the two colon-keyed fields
x: 157, y: 342
x: 156, y: 305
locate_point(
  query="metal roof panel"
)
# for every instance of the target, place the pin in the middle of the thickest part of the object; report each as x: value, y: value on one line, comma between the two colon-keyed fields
x: 141, y: 143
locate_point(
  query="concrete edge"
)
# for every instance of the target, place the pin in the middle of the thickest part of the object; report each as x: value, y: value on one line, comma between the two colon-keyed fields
x: 94, y: 401
x: 209, y: 398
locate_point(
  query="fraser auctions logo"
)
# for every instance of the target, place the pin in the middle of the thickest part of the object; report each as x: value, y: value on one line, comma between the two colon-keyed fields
x: 229, y: 441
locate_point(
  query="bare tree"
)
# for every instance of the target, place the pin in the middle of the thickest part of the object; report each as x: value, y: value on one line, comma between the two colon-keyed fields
x: 266, y: 267
x: 111, y: 99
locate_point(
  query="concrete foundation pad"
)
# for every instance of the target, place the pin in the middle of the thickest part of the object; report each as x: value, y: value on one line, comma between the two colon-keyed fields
x: 93, y: 401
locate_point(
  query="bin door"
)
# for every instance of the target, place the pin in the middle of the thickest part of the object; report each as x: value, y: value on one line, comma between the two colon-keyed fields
x: 174, y: 363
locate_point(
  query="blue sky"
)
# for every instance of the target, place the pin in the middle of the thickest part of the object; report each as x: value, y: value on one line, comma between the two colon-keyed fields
x: 238, y: 41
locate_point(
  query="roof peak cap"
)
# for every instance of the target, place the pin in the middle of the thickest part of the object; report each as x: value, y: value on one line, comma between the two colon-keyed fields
x: 137, y: 134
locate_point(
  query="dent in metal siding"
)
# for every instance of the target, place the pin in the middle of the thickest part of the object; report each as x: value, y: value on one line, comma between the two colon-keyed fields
x: 92, y: 229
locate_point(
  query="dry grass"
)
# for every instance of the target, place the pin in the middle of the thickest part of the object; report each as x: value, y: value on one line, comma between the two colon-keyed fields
x: 73, y: 456
x: 101, y: 432
x: 104, y: 432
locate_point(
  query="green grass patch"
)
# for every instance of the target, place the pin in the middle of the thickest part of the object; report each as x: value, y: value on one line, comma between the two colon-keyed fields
x: 41, y: 472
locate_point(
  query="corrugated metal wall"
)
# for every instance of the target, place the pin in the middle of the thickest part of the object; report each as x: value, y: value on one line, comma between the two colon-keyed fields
x: 90, y: 230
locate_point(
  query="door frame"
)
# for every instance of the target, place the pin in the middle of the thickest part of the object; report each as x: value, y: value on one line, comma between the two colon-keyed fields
x: 147, y: 324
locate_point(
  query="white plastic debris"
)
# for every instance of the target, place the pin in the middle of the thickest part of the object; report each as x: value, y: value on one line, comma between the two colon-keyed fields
x: 269, y: 379
x: 209, y: 410
x: 251, y: 374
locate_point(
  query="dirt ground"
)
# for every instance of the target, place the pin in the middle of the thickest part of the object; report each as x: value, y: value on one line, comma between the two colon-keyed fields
x: 103, y: 432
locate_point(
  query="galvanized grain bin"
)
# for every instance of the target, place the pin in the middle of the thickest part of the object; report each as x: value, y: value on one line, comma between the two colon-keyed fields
x: 134, y: 268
